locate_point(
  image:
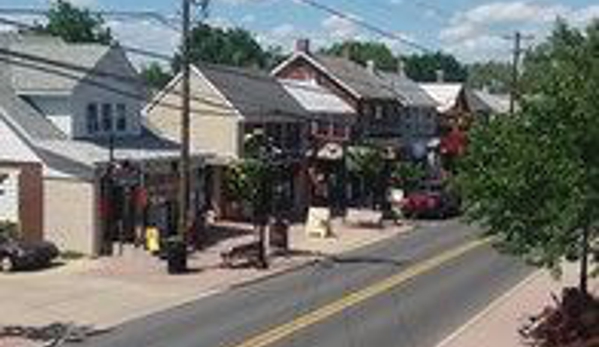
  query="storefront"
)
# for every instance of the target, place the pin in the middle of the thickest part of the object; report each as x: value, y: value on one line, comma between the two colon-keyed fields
x: 134, y: 196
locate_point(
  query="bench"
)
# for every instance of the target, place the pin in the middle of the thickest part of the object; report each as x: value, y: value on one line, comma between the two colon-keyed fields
x: 250, y: 252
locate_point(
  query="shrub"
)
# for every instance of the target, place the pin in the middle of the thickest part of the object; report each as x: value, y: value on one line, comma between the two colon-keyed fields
x: 9, y: 228
x: 572, y: 322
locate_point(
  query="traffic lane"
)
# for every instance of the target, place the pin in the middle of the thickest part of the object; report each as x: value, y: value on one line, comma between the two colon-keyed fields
x: 424, y: 310
x: 224, y: 319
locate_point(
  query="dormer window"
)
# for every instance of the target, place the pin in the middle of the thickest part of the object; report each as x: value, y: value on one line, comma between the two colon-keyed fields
x: 107, y: 118
x: 121, y: 117
x: 93, y: 124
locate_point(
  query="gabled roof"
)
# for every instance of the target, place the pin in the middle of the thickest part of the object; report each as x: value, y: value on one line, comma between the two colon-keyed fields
x: 23, y: 116
x: 409, y: 91
x: 252, y: 93
x: 357, y: 77
x: 491, y: 103
x: 445, y: 94
x: 38, y: 76
x: 354, y: 78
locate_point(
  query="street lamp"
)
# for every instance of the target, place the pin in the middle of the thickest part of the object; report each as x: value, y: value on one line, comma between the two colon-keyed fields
x: 389, y: 157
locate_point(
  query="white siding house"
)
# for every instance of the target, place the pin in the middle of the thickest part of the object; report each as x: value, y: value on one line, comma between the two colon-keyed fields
x: 59, y: 109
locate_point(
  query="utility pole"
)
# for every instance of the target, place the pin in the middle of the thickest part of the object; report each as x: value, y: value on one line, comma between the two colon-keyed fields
x: 518, y: 37
x: 184, y: 169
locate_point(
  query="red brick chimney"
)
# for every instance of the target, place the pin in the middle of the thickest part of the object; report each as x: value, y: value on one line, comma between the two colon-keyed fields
x: 302, y: 45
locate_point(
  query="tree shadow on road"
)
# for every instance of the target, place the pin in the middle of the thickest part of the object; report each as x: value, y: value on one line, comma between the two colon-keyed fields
x: 341, y: 260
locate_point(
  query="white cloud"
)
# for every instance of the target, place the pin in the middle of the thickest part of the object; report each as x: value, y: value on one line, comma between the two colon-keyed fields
x: 146, y: 35
x: 80, y: 3
x: 248, y: 19
x: 219, y: 22
x: 340, y: 28
x: 476, y: 33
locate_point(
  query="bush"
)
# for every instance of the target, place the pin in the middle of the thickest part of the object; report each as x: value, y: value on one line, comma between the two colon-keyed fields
x: 572, y: 322
x: 9, y: 229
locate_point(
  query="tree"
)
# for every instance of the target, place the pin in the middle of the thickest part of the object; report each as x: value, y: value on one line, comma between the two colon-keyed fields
x: 361, y: 52
x: 154, y: 76
x: 532, y: 180
x: 424, y: 67
x: 274, y: 56
x: 75, y: 24
x: 234, y: 47
x: 495, y: 76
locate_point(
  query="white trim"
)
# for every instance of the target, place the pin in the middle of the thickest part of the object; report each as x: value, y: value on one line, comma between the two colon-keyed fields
x: 160, y: 95
x: 318, y: 66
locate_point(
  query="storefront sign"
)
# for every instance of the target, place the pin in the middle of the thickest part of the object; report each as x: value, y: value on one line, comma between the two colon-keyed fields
x: 319, y: 222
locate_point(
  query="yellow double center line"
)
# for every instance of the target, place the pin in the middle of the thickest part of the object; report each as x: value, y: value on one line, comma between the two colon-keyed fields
x: 282, y: 331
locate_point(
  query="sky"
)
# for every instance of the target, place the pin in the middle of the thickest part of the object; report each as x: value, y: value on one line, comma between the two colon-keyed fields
x: 473, y: 30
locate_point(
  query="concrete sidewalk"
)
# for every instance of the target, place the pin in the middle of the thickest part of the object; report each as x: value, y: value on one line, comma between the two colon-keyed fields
x: 497, y: 326
x: 109, y: 291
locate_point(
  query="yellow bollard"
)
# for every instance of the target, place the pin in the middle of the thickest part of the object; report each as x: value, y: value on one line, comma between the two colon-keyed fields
x: 153, y: 239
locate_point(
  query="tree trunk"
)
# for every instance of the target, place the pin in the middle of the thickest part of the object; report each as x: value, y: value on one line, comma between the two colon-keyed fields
x: 584, y: 259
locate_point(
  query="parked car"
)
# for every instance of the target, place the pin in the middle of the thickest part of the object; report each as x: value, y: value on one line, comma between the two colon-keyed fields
x: 431, y: 202
x: 18, y: 255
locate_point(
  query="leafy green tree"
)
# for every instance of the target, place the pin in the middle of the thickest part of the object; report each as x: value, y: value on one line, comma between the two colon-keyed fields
x: 361, y: 52
x: 496, y: 76
x: 424, y: 67
x: 274, y: 56
x: 155, y: 76
x: 532, y: 180
x: 74, y: 24
x: 408, y: 176
x: 233, y: 47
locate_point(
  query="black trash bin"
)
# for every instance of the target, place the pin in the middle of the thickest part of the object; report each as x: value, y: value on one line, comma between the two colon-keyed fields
x: 279, y: 236
x: 176, y: 256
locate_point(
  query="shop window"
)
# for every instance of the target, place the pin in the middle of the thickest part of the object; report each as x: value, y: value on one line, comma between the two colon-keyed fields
x: 340, y: 131
x: 322, y: 129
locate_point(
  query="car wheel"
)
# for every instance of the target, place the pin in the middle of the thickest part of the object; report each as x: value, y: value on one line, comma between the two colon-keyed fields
x: 6, y: 264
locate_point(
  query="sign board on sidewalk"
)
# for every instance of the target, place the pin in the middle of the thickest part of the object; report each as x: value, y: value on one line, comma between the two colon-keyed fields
x: 319, y: 222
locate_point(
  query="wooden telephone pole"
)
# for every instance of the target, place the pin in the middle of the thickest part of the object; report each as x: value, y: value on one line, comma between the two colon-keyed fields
x: 184, y: 167
x: 518, y: 37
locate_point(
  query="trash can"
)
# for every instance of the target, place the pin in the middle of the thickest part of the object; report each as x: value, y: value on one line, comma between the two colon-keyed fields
x: 279, y: 236
x: 176, y: 255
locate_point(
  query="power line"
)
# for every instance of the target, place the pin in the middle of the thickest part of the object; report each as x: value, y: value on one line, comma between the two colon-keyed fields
x: 366, y: 25
x: 152, y: 15
x: 167, y: 58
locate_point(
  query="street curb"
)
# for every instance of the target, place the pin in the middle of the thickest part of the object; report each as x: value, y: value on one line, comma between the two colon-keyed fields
x: 487, y: 310
x: 220, y: 290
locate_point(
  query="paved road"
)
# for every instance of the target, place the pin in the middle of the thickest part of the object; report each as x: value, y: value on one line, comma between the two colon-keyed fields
x: 417, y: 311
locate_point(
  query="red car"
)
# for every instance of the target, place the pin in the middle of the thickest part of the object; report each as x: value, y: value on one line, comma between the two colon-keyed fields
x: 430, y: 203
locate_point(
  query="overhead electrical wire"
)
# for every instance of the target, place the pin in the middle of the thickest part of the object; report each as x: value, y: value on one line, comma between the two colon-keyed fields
x: 367, y: 25
x: 167, y: 58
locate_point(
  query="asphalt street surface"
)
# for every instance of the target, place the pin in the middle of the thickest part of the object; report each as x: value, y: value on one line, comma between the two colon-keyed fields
x: 302, y: 307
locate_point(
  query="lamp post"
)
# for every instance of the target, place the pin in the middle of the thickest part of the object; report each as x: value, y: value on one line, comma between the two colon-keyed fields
x: 388, y: 158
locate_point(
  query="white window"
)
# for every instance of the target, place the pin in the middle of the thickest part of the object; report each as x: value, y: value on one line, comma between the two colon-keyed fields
x: 92, y: 122
x: 107, y: 118
x: 121, y: 117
